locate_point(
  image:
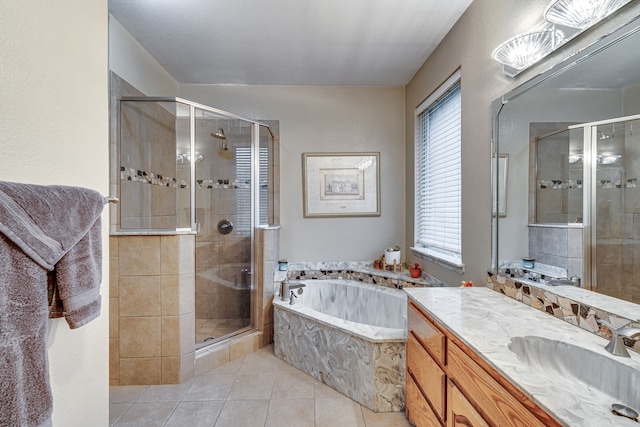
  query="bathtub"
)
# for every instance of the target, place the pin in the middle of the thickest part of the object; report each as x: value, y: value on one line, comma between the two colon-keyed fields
x: 349, y: 335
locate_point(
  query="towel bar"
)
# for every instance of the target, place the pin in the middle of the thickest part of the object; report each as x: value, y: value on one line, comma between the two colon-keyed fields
x: 111, y: 199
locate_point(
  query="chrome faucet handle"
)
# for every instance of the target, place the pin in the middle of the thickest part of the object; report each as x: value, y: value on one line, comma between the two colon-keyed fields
x: 616, y: 346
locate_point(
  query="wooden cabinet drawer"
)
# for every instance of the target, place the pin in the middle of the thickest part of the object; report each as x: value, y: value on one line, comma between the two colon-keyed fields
x: 485, y: 393
x: 460, y: 413
x: 426, y: 333
x: 418, y: 410
x: 427, y: 375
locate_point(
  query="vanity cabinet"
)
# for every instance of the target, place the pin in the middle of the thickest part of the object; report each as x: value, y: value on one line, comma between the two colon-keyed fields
x: 461, y: 412
x: 450, y: 385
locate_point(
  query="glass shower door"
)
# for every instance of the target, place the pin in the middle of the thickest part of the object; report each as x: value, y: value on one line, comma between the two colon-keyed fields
x: 224, y: 227
x: 617, y: 209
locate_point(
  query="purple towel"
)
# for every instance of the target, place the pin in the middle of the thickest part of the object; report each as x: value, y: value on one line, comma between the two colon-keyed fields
x: 50, y: 266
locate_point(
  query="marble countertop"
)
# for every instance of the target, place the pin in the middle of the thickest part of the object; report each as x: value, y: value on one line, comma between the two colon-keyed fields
x: 486, y: 321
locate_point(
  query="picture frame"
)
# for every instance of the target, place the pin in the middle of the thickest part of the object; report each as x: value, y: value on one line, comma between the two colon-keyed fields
x: 500, y: 193
x: 340, y: 184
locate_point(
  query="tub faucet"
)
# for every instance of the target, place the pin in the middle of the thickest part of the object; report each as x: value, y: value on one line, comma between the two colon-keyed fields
x: 616, y: 346
x: 286, y: 286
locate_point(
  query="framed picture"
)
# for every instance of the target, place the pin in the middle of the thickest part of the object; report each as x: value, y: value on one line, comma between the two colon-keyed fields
x: 500, y: 204
x: 340, y: 184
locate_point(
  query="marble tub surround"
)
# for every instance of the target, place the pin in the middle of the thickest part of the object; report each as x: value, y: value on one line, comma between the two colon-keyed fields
x: 574, y: 305
x: 349, y: 335
x: 359, y: 271
x: 539, y: 269
x: 488, y: 323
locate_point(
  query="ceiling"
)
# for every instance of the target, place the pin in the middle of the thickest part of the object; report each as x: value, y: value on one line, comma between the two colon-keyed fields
x: 289, y: 42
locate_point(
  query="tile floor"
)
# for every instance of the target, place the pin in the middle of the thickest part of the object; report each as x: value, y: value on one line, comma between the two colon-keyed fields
x: 255, y: 390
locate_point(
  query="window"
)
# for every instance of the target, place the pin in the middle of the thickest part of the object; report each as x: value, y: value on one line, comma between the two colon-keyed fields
x: 438, y: 229
x: 243, y: 180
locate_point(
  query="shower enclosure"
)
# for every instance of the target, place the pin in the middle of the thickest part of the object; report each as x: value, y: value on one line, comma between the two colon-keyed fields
x: 191, y: 169
x: 612, y: 205
x: 584, y: 212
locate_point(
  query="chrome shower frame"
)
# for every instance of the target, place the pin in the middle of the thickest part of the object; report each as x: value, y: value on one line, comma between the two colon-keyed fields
x: 254, y: 187
x: 255, y: 145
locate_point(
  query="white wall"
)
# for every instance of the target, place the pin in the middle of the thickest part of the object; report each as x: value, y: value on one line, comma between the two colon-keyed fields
x: 133, y: 63
x: 327, y: 119
x: 53, y: 130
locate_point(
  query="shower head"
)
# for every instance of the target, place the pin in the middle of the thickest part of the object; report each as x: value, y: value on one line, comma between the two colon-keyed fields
x: 219, y: 134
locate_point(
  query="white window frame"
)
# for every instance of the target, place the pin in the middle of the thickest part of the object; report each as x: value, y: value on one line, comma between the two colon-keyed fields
x: 447, y: 257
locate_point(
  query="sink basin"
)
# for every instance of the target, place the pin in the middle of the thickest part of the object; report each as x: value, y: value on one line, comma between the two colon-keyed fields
x: 573, y: 366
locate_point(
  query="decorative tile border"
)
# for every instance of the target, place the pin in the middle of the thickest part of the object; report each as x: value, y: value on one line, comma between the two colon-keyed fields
x: 144, y: 177
x: 361, y: 272
x: 579, y: 314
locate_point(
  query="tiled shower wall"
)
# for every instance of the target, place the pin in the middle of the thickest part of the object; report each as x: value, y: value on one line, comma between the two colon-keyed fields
x: 151, y: 318
x: 149, y: 131
x: 267, y: 252
x: 558, y: 246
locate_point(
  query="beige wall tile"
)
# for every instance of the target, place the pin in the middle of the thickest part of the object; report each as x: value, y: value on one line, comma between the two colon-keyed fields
x: 270, y: 249
x: 139, y: 255
x: 114, y: 360
x: 267, y: 311
x: 207, y: 254
x: 244, y: 346
x: 187, y: 366
x: 267, y: 335
x: 187, y: 293
x: 170, y: 370
x: 114, y: 318
x: 187, y: 333
x: 140, y: 337
x: 169, y: 254
x: 187, y: 250
x: 113, y: 246
x: 113, y: 277
x: 140, y: 296
x: 257, y: 319
x: 234, y: 251
x: 269, y: 269
x: 170, y: 295
x: 209, y: 360
x: 140, y: 371
x: 170, y: 336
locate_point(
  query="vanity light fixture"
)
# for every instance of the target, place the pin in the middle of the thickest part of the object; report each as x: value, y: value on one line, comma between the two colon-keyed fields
x: 575, y: 158
x: 581, y: 14
x: 523, y: 50
x: 574, y: 16
x: 607, y: 159
x: 186, y: 158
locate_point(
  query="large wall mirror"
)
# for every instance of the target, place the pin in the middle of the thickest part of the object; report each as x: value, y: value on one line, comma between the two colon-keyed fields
x: 571, y: 201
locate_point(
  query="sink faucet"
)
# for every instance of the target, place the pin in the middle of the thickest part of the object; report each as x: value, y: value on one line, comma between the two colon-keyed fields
x: 616, y: 346
x: 285, y: 288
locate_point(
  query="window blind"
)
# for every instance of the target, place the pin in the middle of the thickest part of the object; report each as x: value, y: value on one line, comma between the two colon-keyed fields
x: 438, y: 176
x: 243, y: 182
